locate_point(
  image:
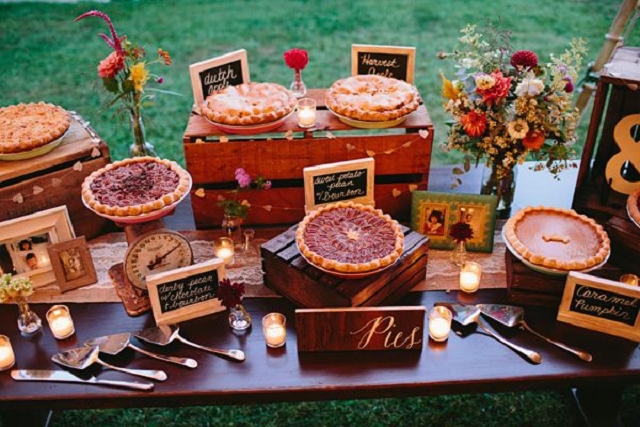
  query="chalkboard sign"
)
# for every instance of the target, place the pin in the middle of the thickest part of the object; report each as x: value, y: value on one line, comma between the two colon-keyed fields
x: 388, y: 61
x: 186, y: 293
x: 334, y: 182
x: 601, y: 305
x: 214, y: 74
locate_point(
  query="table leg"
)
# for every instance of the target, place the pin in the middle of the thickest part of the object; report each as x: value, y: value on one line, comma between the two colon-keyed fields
x: 599, y: 407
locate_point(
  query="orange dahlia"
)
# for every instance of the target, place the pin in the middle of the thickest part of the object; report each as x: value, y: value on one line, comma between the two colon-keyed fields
x: 474, y: 123
x: 534, y: 140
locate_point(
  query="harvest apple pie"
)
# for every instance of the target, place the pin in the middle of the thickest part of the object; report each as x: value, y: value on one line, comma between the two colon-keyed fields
x: 249, y: 104
x: 135, y: 186
x: 350, y: 238
x: 633, y: 206
x: 557, y: 238
x: 24, y: 127
x: 372, y: 98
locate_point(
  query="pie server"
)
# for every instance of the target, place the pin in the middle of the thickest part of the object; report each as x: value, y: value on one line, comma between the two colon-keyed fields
x: 67, y: 377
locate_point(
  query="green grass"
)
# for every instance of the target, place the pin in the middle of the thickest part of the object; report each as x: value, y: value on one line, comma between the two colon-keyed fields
x: 46, y: 56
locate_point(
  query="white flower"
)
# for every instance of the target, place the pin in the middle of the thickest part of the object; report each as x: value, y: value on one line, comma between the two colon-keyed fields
x: 518, y: 129
x: 484, y: 81
x: 529, y: 87
x: 470, y: 63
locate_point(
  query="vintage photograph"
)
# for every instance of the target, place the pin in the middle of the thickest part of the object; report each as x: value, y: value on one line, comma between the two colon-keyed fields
x: 473, y: 215
x: 72, y: 264
x: 434, y: 219
x: 25, y: 254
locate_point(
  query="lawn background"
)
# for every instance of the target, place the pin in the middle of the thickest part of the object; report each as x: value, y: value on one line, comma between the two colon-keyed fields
x: 44, y: 55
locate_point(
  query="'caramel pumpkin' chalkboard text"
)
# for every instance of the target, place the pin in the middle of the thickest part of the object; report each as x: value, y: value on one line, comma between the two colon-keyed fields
x: 388, y: 61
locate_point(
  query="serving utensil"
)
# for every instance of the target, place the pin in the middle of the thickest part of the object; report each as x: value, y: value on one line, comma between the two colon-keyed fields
x: 467, y: 314
x: 115, y: 343
x: 166, y: 334
x: 511, y: 316
x: 67, y: 377
x: 83, y: 357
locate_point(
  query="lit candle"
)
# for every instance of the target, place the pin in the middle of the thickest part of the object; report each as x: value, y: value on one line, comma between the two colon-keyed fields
x: 470, y: 276
x: 630, y: 279
x: 60, y: 322
x: 224, y: 249
x: 440, y: 323
x: 306, y: 113
x: 7, y: 358
x: 274, y: 329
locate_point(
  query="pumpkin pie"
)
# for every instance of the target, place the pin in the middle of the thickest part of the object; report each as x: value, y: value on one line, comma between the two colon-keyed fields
x: 135, y: 186
x: 349, y: 238
x: 633, y: 206
x: 249, y: 104
x: 25, y: 127
x: 557, y: 238
x: 372, y: 98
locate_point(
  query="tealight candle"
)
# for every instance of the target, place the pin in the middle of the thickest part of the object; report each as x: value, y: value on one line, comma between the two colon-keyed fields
x: 60, y: 322
x: 274, y: 329
x: 7, y: 358
x: 630, y: 279
x: 470, y: 276
x: 224, y: 249
x: 440, y: 323
x: 306, y: 113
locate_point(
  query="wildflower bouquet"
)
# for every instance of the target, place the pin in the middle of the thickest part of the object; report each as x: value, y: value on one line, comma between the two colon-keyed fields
x: 234, y: 207
x: 14, y: 288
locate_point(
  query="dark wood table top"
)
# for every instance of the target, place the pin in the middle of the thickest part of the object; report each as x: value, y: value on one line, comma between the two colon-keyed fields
x: 470, y: 364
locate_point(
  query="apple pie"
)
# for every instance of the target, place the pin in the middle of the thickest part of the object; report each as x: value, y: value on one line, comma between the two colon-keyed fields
x: 249, y: 104
x: 633, y: 206
x: 24, y: 127
x: 372, y: 98
x: 557, y: 238
x: 349, y: 238
x: 135, y: 186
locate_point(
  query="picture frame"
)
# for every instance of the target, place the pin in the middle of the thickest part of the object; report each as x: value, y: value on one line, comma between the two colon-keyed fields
x: 397, y: 62
x: 433, y: 214
x: 24, y: 242
x: 72, y: 264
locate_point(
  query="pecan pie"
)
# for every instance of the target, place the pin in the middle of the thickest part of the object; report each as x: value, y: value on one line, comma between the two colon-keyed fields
x: 24, y: 127
x: 249, y: 104
x: 350, y: 238
x: 557, y: 238
x: 633, y: 206
x: 135, y: 186
x: 372, y: 98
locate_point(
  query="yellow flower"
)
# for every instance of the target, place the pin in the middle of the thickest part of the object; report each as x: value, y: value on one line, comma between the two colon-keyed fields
x: 139, y: 76
x: 518, y: 129
x: 485, y: 81
x: 450, y: 90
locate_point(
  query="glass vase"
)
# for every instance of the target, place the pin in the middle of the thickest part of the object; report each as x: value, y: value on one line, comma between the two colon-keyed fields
x: 298, y: 87
x: 501, y: 184
x: 459, y: 253
x: 140, y: 146
x: 28, y: 321
x: 239, y: 318
x: 232, y: 228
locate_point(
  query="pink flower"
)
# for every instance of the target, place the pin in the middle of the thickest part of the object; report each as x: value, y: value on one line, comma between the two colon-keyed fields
x: 296, y: 58
x: 114, y: 42
x: 243, y: 178
x: 525, y: 59
x: 160, y: 80
x: 111, y: 65
x: 568, y: 87
x: 498, y: 91
x: 474, y: 124
x: 267, y: 185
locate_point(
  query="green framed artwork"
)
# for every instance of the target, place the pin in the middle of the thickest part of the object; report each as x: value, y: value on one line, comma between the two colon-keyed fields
x: 432, y: 214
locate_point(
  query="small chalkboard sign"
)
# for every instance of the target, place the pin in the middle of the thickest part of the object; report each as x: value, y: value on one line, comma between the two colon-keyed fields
x: 601, y: 305
x: 351, y: 180
x: 217, y: 73
x: 397, y: 62
x: 186, y: 293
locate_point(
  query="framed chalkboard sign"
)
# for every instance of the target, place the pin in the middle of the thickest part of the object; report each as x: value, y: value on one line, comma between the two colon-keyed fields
x: 217, y: 73
x: 388, y: 61
x: 601, y: 305
x: 187, y: 292
x: 351, y: 180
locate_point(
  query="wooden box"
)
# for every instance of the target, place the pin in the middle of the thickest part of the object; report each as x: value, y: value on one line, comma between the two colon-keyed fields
x: 54, y: 179
x: 402, y: 157
x: 289, y: 274
x: 625, y: 243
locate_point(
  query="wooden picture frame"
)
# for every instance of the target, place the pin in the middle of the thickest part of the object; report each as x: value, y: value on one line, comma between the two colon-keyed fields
x: 397, y: 62
x: 217, y: 73
x: 26, y: 238
x: 601, y: 305
x: 432, y: 214
x: 72, y: 264
x: 351, y: 180
x: 198, y: 283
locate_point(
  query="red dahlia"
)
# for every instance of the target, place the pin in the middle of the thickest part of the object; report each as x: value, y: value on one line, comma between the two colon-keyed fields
x: 524, y: 59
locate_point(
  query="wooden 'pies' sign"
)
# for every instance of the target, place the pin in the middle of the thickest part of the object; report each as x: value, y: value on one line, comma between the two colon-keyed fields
x: 388, y: 61
x: 351, y: 180
x: 601, y: 305
x: 357, y: 328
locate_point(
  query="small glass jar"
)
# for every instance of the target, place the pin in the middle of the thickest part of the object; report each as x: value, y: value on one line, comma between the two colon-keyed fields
x: 60, y: 322
x: 7, y: 357
x: 470, y: 275
x: 306, y: 113
x: 440, y: 323
x: 274, y: 327
x: 224, y: 248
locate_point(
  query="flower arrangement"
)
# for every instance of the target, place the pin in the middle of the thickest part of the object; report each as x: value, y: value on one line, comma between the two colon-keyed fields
x: 461, y: 231
x: 297, y: 59
x: 235, y: 207
x: 14, y: 288
x: 230, y: 293
x: 507, y: 106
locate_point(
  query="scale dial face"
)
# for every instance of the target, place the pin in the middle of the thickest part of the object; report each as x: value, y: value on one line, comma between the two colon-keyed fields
x: 155, y: 252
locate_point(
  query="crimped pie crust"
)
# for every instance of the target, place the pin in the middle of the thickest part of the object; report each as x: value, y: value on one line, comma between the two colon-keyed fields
x: 24, y: 127
x: 135, y: 186
x: 633, y: 206
x: 350, y: 238
x: 372, y: 98
x: 557, y: 238
x: 249, y: 104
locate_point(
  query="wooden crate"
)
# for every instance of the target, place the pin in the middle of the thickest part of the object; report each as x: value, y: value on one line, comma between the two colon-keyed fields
x: 54, y: 179
x: 402, y: 157
x: 625, y: 242
x: 289, y: 274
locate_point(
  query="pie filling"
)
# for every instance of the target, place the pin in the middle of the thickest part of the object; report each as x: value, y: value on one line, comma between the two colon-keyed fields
x: 633, y: 206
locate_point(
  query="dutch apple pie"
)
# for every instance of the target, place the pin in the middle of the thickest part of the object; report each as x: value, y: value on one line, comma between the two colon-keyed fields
x: 25, y: 127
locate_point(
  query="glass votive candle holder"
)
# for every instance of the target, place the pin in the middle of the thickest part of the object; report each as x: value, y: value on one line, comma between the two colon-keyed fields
x: 440, y: 323
x: 274, y: 327
x: 60, y: 322
x: 224, y: 249
x: 630, y: 279
x: 470, y: 275
x: 306, y: 112
x: 7, y: 358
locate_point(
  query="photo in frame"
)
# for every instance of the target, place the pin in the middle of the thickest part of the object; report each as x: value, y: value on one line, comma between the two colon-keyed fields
x: 72, y: 264
x: 433, y: 214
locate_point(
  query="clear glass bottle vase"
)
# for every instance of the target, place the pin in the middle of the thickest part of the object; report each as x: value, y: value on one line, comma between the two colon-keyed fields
x: 500, y: 182
x: 140, y: 146
x: 298, y: 87
x: 28, y: 321
x: 459, y: 253
x: 232, y: 228
x: 239, y: 318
